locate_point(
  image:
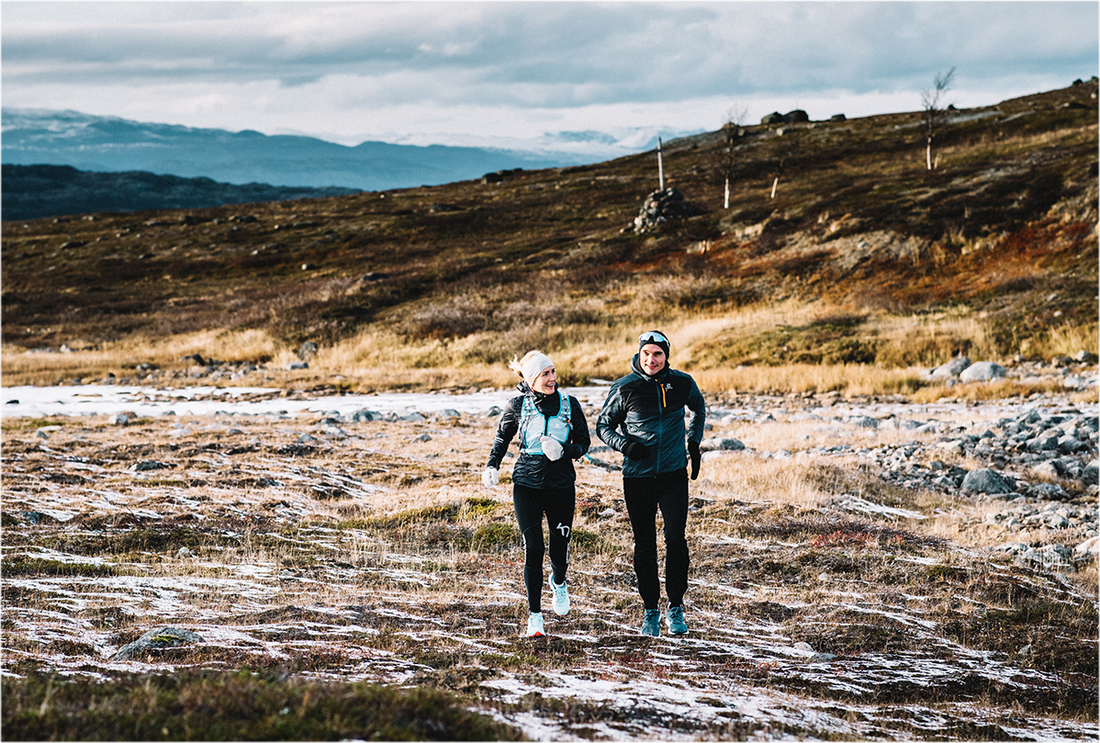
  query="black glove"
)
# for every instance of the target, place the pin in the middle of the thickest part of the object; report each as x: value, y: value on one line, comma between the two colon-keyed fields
x: 696, y: 457
x: 636, y: 450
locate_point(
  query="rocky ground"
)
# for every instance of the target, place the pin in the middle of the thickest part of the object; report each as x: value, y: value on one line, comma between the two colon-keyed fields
x: 862, y: 568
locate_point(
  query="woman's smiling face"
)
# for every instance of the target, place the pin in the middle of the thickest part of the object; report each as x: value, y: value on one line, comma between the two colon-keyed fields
x: 546, y: 382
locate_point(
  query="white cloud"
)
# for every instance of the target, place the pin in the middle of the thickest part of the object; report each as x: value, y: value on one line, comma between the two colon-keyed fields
x: 363, y: 70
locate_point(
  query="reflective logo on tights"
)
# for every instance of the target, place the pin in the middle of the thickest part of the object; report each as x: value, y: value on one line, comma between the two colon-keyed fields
x: 564, y: 530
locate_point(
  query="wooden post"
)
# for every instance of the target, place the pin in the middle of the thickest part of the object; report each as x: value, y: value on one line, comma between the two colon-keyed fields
x: 660, y: 165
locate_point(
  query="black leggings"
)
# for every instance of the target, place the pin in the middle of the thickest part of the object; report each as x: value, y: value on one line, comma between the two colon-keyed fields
x: 644, y: 495
x: 531, y: 504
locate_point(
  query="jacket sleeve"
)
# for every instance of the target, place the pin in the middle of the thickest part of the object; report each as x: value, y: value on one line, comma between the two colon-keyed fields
x: 698, y: 408
x: 579, y: 438
x: 506, y: 429
x: 611, y: 417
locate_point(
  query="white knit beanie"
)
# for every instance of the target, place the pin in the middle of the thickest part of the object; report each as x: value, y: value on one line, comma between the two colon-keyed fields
x: 531, y: 366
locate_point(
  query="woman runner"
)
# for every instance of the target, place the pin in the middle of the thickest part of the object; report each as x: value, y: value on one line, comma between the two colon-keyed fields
x: 552, y: 432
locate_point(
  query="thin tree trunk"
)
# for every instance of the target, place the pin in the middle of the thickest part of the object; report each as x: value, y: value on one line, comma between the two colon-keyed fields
x: 726, y: 202
x: 928, y: 156
x: 775, y: 184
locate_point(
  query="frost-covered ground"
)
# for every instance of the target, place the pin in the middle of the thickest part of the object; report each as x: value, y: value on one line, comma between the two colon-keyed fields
x: 289, y: 536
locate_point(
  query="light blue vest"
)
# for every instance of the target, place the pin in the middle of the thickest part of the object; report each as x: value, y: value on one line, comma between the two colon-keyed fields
x: 533, y: 425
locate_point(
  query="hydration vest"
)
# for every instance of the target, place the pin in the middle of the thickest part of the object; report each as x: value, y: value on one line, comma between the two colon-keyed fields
x: 533, y: 424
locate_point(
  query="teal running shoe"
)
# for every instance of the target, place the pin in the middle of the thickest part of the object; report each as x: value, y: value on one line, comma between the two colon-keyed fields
x: 675, y: 619
x: 651, y: 625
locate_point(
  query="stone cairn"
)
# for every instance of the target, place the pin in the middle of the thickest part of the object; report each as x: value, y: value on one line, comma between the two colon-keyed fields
x: 659, y: 207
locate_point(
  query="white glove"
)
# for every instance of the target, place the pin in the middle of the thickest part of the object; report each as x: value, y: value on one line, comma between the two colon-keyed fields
x: 490, y: 477
x: 551, y: 448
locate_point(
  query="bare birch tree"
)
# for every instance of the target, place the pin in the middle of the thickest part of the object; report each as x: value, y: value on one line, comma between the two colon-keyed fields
x: 733, y: 130
x: 788, y: 146
x: 934, y: 109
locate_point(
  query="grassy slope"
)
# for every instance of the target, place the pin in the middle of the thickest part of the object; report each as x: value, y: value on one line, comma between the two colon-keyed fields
x: 858, y: 235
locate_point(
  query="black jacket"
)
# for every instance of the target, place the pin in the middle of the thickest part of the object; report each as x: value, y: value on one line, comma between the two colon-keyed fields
x: 535, y: 470
x: 650, y: 410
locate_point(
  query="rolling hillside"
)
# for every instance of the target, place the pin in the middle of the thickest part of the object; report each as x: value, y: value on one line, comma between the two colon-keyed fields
x: 1001, y: 233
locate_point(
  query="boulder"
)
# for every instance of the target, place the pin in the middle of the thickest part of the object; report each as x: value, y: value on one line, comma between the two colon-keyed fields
x: 982, y: 371
x: 1012, y: 548
x: 773, y: 118
x: 307, y: 350
x: 1047, y: 491
x: 1049, y: 470
x: 951, y: 369
x: 986, y: 481
x: 1088, y: 547
x: 718, y: 444
x: 156, y: 639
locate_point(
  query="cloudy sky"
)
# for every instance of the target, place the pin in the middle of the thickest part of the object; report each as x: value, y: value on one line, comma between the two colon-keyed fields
x: 473, y: 73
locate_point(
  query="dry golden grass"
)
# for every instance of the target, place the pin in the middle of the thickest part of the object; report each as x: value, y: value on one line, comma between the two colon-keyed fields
x: 850, y: 379
x: 121, y: 357
x: 386, y: 357
x: 1066, y: 340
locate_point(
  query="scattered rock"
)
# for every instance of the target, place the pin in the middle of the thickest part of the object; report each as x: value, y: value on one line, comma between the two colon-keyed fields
x: 986, y: 481
x: 307, y: 351
x: 156, y: 639
x: 982, y: 371
x: 717, y: 444
x: 147, y: 465
x: 1090, y: 546
x: 951, y: 369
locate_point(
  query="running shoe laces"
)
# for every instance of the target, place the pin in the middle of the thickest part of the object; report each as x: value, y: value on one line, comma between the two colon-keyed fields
x: 561, y: 597
x: 651, y: 625
x: 535, y: 625
x: 676, y: 623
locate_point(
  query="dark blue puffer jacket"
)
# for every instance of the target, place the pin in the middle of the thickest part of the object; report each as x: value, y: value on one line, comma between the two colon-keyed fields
x: 650, y: 410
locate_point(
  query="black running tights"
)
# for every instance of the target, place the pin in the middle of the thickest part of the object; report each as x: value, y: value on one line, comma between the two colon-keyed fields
x: 531, y: 505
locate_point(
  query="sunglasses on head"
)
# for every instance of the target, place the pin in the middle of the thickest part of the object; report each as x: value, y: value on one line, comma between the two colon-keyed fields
x: 651, y: 337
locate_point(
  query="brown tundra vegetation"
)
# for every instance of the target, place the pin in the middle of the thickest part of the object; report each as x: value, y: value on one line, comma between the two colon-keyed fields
x: 307, y: 575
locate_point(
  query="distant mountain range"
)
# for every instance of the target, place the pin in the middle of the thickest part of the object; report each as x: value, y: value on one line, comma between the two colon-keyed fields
x: 35, y: 191
x: 108, y: 144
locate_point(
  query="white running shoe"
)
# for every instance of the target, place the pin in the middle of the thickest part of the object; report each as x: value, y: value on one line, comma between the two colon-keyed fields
x: 535, y: 625
x: 561, y: 598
